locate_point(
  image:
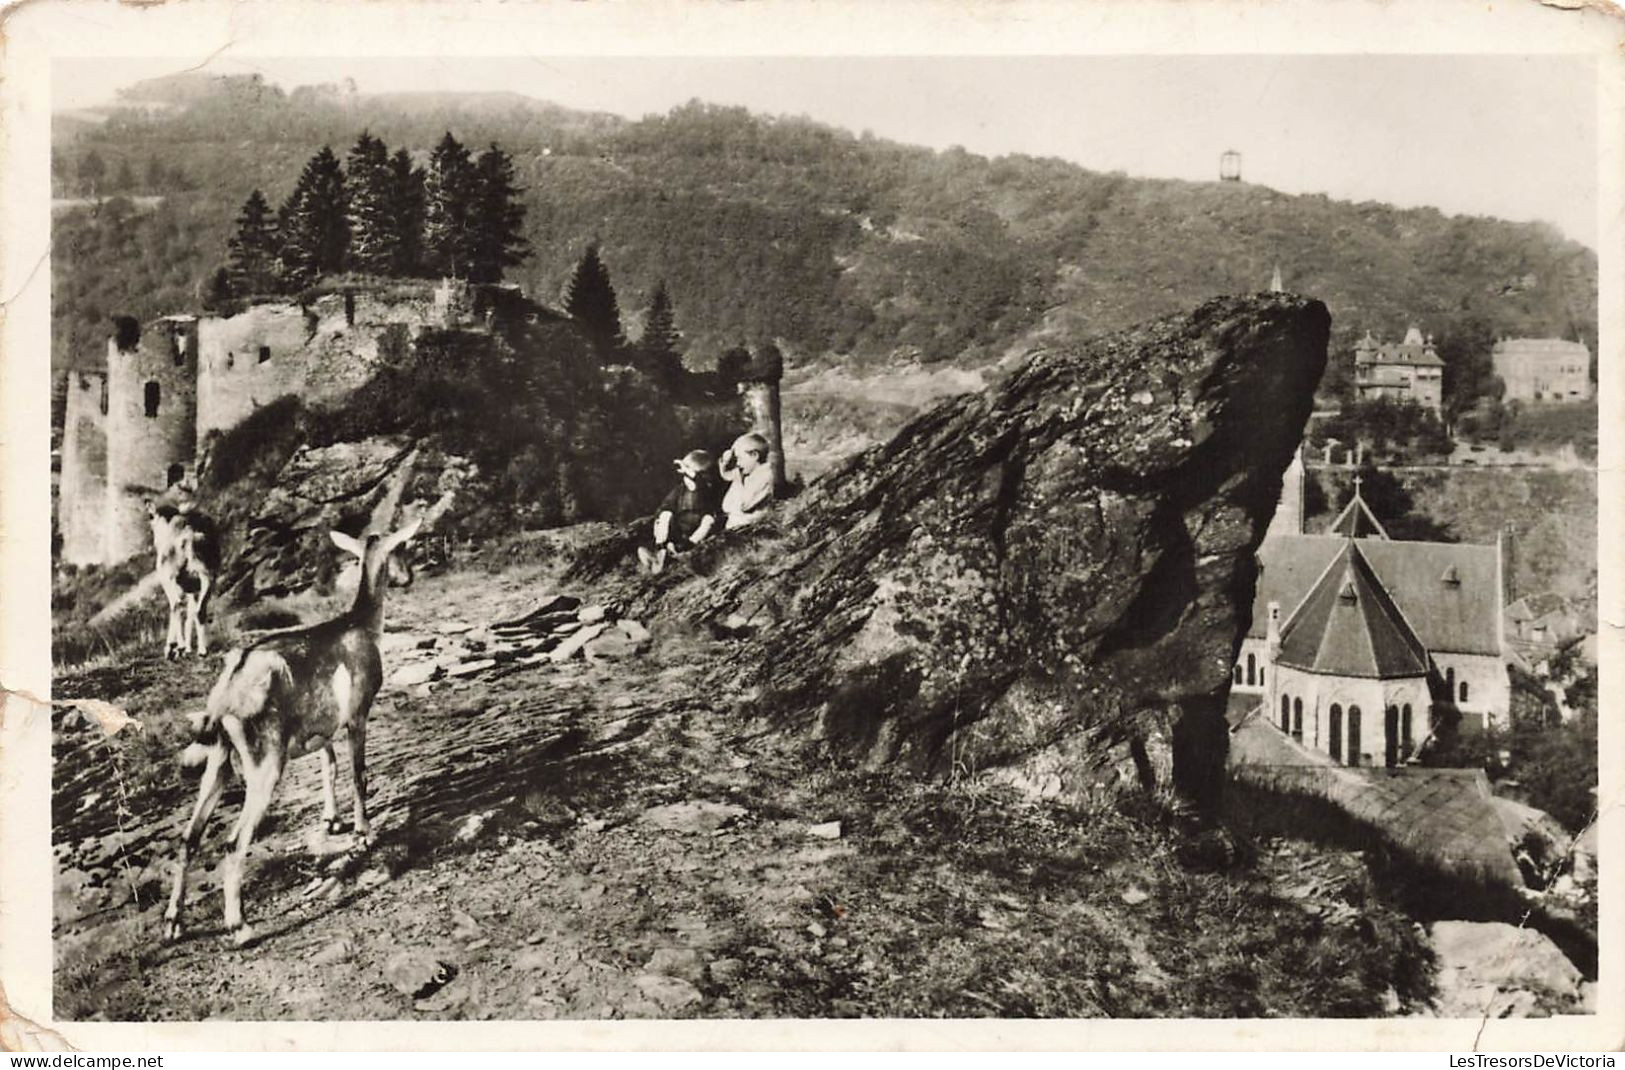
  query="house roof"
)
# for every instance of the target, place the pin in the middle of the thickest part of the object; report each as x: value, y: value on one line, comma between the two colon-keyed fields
x: 1413, y: 350
x: 1449, y: 612
x: 1531, y: 606
x: 1534, y: 347
x: 1400, y: 354
x: 1348, y: 625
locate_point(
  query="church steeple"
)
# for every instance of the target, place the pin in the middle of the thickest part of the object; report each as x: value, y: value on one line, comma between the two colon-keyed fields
x: 1356, y: 521
x: 1275, y: 281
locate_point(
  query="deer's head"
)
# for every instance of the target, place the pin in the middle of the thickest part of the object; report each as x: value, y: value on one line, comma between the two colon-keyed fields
x: 380, y: 556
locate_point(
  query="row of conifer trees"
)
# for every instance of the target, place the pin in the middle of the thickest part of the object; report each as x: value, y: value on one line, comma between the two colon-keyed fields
x: 381, y: 214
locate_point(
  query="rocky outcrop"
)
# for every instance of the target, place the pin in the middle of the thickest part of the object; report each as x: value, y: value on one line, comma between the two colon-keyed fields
x: 1035, y: 572
x: 1495, y: 970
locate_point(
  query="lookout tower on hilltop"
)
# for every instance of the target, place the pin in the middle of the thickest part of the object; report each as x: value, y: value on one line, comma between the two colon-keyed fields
x: 1230, y: 166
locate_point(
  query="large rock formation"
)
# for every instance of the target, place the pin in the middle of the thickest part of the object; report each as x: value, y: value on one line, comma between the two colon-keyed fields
x: 1045, y: 568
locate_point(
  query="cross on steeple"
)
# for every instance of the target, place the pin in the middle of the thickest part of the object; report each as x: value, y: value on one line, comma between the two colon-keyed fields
x: 1357, y: 481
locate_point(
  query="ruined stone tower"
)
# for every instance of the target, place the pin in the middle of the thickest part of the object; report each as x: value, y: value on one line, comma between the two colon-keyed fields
x: 82, y: 496
x: 759, y: 386
x: 152, y: 419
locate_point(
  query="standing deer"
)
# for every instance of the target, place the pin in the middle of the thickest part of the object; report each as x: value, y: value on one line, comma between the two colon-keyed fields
x: 187, y: 550
x: 284, y: 695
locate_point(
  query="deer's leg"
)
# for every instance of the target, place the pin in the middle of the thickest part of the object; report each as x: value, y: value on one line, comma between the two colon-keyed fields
x: 330, y: 802
x: 357, y: 731
x: 172, y: 591
x: 261, y: 775
x: 209, y: 791
x: 188, y: 622
x: 199, y: 606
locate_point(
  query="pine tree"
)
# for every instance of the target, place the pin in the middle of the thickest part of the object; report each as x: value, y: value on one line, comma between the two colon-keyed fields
x: 290, y: 274
x: 314, y: 222
x: 123, y: 179
x: 252, y: 261
x: 406, y: 208
x: 590, y: 300
x: 496, y: 218
x: 448, y: 195
x: 372, y: 227
x: 219, y: 293
x: 658, y: 347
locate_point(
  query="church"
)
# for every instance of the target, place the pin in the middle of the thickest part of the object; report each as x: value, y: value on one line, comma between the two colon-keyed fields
x: 1362, y: 646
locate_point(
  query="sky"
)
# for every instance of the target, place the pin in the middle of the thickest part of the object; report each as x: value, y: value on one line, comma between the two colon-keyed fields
x: 1508, y: 136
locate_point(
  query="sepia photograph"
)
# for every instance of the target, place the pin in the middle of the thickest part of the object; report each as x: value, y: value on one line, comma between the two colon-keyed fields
x: 601, y: 537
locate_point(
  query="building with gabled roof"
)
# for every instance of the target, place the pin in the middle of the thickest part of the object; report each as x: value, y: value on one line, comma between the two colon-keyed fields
x: 1407, y: 371
x: 1362, y: 646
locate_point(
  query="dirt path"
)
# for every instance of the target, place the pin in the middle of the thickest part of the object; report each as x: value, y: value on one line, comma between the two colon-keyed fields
x: 628, y: 840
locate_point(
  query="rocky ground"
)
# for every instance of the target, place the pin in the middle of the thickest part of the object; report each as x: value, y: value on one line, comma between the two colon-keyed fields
x: 624, y: 838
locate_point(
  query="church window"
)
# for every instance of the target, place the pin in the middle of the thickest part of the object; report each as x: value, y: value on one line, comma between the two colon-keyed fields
x: 1286, y: 714
x: 179, y: 342
x: 1449, y: 683
x: 231, y: 360
x: 102, y: 402
x: 1334, y: 733
x: 1252, y: 664
x: 1405, y: 730
x: 151, y: 398
x: 1297, y: 719
x: 1237, y: 673
x: 1354, y: 735
x: 1464, y: 690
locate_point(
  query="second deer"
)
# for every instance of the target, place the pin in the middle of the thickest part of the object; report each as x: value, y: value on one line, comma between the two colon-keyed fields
x: 283, y: 695
x: 188, y: 556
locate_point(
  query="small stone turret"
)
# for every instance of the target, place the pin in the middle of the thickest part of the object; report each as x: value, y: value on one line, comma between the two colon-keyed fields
x: 151, y: 423
x: 82, y: 495
x: 759, y: 386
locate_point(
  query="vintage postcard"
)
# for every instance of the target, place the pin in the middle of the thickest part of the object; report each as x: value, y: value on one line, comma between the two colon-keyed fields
x: 779, y: 525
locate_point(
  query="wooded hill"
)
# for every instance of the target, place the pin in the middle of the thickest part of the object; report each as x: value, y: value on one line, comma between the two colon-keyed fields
x: 845, y: 248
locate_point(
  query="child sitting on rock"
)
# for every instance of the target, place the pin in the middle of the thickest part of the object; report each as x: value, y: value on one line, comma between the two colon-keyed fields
x: 688, y: 513
x: 750, y: 481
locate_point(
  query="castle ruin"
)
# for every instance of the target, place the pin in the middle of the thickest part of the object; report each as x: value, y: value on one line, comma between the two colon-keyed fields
x: 136, y: 429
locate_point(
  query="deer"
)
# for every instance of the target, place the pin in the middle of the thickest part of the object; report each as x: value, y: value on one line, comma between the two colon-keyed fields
x: 187, y: 552
x: 281, y: 696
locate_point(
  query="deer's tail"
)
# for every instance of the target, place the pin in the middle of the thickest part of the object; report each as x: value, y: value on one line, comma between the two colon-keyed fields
x: 206, y: 738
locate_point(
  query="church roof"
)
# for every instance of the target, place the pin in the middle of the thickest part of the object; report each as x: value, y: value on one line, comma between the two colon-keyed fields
x: 1348, y: 625
x: 1356, y: 521
x: 1456, y: 613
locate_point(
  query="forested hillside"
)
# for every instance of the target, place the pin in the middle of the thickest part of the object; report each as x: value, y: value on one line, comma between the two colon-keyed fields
x: 843, y: 248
